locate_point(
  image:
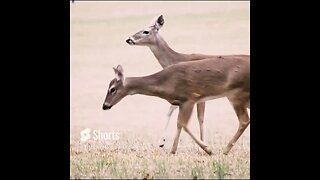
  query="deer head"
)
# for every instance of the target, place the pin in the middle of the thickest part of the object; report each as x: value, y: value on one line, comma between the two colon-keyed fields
x: 116, y: 90
x: 147, y: 36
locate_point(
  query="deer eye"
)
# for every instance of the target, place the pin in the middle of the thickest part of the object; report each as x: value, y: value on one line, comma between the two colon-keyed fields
x: 112, y: 90
x: 145, y: 32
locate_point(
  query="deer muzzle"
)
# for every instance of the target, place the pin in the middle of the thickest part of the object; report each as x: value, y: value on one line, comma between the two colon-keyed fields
x: 130, y: 41
x: 106, y: 106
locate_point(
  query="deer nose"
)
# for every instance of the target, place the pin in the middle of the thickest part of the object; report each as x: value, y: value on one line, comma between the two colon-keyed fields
x: 106, y: 106
x: 130, y: 41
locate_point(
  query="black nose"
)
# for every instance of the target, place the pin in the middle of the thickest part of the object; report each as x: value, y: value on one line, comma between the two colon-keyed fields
x: 130, y: 41
x: 105, y: 107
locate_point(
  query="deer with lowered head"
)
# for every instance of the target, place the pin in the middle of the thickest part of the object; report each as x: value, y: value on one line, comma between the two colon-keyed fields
x: 149, y: 36
x: 188, y: 83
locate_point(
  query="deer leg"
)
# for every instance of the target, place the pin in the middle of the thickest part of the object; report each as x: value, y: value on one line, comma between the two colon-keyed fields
x: 176, y: 139
x: 185, y: 111
x: 242, y: 114
x: 199, y: 142
x: 165, y: 131
x: 200, y: 112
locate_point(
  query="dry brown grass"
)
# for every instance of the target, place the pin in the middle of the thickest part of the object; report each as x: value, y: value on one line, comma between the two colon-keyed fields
x: 137, y: 157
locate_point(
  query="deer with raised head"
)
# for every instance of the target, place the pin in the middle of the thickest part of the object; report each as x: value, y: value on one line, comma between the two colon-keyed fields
x: 188, y: 83
x: 150, y: 37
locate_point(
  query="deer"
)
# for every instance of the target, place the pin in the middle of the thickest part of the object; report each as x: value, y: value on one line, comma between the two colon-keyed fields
x: 149, y: 36
x: 187, y: 83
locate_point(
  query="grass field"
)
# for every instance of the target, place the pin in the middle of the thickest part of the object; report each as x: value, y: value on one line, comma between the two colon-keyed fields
x: 98, y: 34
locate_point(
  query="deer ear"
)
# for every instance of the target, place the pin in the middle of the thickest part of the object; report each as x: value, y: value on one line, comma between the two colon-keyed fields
x: 119, y: 68
x: 158, y: 22
x: 119, y: 72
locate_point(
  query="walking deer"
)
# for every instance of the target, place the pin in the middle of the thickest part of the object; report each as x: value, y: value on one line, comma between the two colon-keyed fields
x: 150, y: 37
x: 188, y: 83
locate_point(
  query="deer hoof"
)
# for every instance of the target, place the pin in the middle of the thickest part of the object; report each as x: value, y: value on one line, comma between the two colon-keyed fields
x: 227, y: 149
x: 208, y: 151
x: 225, y: 152
x: 172, y: 152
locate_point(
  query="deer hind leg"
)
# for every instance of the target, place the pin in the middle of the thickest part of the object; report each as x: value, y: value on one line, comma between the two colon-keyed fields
x: 165, y: 131
x: 200, y: 112
x: 240, y: 108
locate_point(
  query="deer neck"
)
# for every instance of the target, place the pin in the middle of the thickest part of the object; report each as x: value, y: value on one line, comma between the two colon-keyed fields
x: 143, y: 85
x: 165, y: 55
